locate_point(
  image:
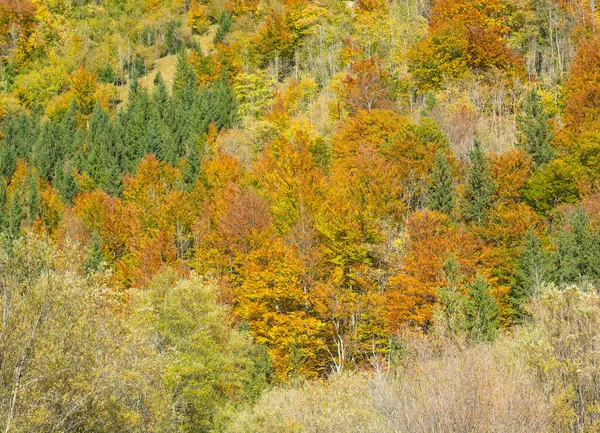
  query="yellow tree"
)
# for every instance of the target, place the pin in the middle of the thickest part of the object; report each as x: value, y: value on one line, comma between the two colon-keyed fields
x: 271, y: 296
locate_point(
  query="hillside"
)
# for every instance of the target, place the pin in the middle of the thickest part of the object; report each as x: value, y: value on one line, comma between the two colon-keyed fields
x: 299, y: 215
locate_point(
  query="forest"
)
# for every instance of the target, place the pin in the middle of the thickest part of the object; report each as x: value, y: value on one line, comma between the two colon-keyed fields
x: 300, y: 216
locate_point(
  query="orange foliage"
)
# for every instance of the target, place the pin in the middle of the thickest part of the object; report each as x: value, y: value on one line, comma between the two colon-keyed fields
x: 510, y: 172
x: 583, y: 88
x: 271, y: 297
x: 365, y: 85
x: 431, y: 236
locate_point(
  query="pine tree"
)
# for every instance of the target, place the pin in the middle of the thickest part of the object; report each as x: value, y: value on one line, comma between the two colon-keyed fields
x: 441, y: 194
x: 483, y: 313
x: 535, y: 132
x: 480, y: 187
x: 533, y: 268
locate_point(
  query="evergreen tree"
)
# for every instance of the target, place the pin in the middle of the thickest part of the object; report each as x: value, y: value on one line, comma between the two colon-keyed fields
x: 160, y: 95
x: 8, y: 158
x: 108, y: 74
x: 184, y: 82
x: 223, y: 105
x: 483, y: 313
x: 70, y: 139
x: 533, y: 268
x: 191, y: 165
x: 3, y: 204
x: 577, y: 257
x: 535, y: 134
x: 33, y: 200
x: 95, y: 258
x: 225, y: 22
x: 111, y: 181
x: 15, y: 214
x: 480, y: 187
x: 134, y: 127
x: 46, y: 151
x: 451, y: 315
x: 64, y: 181
x: 441, y: 194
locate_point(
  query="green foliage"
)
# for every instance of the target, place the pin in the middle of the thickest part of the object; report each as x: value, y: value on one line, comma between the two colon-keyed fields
x: 554, y: 184
x: 483, y: 315
x: 535, y: 133
x: 254, y: 92
x: 95, y: 258
x: 577, y: 256
x: 206, y: 365
x: 480, y: 187
x: 441, y: 194
x: 533, y: 269
x: 226, y: 20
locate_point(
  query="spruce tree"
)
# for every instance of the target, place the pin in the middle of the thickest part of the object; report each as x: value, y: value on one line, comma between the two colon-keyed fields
x: 450, y: 316
x: 184, y: 82
x: 46, y: 151
x: 535, y: 134
x: 193, y: 156
x: 577, y: 257
x: 480, y: 187
x: 33, y: 200
x: 533, y: 268
x: 223, y: 104
x: 95, y: 258
x: 160, y: 95
x: 8, y: 158
x: 225, y: 22
x: 483, y: 313
x: 15, y: 214
x: 3, y: 204
x: 64, y: 181
x: 441, y: 192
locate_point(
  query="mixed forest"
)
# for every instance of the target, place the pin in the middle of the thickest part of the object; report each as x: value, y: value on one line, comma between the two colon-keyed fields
x: 299, y: 216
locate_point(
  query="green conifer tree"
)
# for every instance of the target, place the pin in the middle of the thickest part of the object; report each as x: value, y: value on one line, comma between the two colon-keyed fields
x: 33, y: 200
x: 226, y: 20
x: 95, y: 258
x: 532, y: 270
x: 184, y: 82
x: 480, y: 187
x: 535, y: 133
x: 15, y: 214
x: 451, y: 314
x: 577, y: 256
x: 441, y: 193
x: 223, y: 105
x: 483, y: 313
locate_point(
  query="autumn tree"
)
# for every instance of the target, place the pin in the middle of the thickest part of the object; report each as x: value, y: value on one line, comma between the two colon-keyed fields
x: 270, y: 295
x: 365, y: 85
x: 412, y: 293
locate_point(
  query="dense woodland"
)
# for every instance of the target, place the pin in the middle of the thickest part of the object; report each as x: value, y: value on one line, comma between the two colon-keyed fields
x: 299, y: 216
